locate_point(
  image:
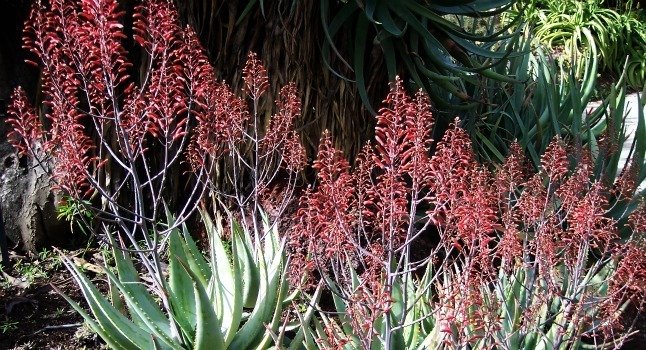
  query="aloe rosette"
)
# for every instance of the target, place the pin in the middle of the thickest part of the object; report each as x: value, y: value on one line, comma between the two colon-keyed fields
x: 233, y: 300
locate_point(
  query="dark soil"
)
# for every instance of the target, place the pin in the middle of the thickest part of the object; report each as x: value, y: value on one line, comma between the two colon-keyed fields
x: 34, y: 316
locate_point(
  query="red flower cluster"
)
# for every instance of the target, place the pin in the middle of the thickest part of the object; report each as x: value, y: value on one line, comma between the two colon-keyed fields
x: 96, y: 108
x: 361, y: 217
x: 27, y: 130
x: 552, y: 223
x: 254, y: 74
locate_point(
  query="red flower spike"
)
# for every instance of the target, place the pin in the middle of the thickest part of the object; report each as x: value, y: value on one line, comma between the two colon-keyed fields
x: 626, y: 183
x: 419, y: 135
x: 554, y: 161
x: 532, y: 200
x: 637, y: 219
x: 27, y: 130
x: 281, y: 123
x: 402, y: 137
x: 449, y: 172
x: 294, y: 153
x: 364, y: 190
x: 254, y: 74
x: 588, y: 223
x: 476, y: 214
x: 326, y: 220
x: 99, y: 34
x: 512, y: 172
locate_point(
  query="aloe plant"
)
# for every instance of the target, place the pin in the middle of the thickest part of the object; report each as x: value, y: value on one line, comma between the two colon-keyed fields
x: 230, y: 299
x: 548, y: 102
x: 615, y: 33
x: 430, y: 41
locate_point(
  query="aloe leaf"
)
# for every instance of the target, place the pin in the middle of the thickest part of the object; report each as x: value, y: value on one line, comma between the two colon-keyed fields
x: 111, y: 340
x: 246, y: 10
x: 195, y: 258
x: 340, y: 305
x: 499, y: 157
x: 181, y: 295
x: 131, y: 286
x: 207, y: 330
x: 278, y: 313
x: 308, y: 338
x: 319, y: 332
x: 222, y: 283
x: 250, y: 272
x: 471, y: 8
x: 270, y: 234
x: 115, y: 298
x: 640, y: 137
x: 360, y: 42
x: 389, y: 57
x: 388, y: 23
x: 149, y: 314
x: 330, y: 31
x: 239, y: 252
x: 250, y: 332
x: 369, y: 9
x: 108, y: 318
x: 304, y: 320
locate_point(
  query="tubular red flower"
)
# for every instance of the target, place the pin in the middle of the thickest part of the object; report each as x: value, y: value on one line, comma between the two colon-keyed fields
x: 626, y: 183
x: 27, y: 130
x: 637, y: 219
x: 281, y: 123
x: 326, y: 219
x: 588, y: 223
x: 100, y: 33
x: 512, y: 173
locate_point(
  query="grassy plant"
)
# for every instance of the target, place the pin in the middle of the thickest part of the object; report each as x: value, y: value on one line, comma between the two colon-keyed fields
x: 8, y: 326
x: 75, y: 212
x: 550, y: 103
x: 30, y: 271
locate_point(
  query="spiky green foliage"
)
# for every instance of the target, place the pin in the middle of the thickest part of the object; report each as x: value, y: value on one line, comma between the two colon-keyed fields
x: 412, y: 313
x: 429, y: 42
x: 573, y: 28
x: 548, y: 102
x: 230, y: 299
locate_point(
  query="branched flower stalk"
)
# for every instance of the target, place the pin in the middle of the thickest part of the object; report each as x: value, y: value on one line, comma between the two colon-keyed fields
x: 514, y: 259
x: 141, y: 148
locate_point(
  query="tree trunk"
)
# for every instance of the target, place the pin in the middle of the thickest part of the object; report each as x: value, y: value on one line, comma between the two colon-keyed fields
x: 28, y: 204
